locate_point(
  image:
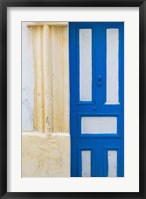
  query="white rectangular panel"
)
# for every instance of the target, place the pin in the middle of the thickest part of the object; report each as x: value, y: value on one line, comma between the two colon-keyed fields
x: 112, y: 68
x: 85, y: 59
x: 99, y: 125
x: 112, y: 163
x: 86, y: 163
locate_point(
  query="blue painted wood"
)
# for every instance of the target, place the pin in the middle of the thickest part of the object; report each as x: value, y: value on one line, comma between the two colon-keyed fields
x: 99, y: 144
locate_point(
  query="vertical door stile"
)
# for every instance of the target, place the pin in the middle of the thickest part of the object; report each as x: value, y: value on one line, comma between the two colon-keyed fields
x: 73, y: 97
x: 100, y: 64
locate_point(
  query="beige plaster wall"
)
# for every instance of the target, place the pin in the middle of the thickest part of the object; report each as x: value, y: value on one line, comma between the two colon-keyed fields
x: 51, y: 77
x: 45, y: 154
x: 45, y: 113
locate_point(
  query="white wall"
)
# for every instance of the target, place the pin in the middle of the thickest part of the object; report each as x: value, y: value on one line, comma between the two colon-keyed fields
x: 27, y: 79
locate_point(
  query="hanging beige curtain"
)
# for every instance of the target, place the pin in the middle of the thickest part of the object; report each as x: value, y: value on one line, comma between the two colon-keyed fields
x: 51, y: 92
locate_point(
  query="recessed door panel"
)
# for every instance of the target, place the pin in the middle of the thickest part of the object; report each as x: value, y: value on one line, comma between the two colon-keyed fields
x: 112, y: 60
x: 99, y: 125
x: 86, y: 163
x: 85, y: 64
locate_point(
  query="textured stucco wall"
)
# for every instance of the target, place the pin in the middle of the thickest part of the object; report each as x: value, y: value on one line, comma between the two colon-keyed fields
x: 27, y: 79
x: 51, y: 91
x: 45, y: 154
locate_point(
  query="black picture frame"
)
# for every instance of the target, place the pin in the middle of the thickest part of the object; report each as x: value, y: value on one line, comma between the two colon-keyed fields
x: 4, y: 4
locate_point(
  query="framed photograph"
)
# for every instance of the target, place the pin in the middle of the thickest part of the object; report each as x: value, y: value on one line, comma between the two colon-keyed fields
x: 72, y: 98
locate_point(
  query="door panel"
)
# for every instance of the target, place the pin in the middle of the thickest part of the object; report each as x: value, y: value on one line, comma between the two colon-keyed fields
x: 97, y: 98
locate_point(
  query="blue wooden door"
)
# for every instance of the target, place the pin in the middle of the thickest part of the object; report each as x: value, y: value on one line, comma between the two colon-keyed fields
x: 96, y: 51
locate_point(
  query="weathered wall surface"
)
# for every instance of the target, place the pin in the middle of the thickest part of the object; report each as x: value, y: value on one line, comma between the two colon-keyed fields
x: 27, y: 79
x: 51, y: 91
x: 45, y: 154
